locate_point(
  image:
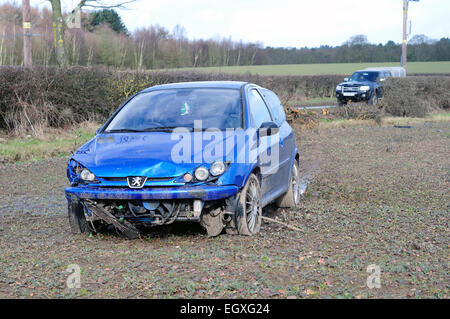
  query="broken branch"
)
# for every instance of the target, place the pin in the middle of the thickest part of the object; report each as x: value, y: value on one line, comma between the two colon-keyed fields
x: 281, y: 223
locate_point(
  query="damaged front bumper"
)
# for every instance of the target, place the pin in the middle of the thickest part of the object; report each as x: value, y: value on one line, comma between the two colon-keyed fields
x: 125, y: 207
x: 204, y: 192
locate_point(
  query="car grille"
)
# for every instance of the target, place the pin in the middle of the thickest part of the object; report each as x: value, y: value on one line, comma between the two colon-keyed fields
x: 350, y: 89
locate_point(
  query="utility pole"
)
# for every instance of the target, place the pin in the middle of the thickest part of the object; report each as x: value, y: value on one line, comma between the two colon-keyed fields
x: 27, y: 50
x: 405, y: 40
x: 405, y: 32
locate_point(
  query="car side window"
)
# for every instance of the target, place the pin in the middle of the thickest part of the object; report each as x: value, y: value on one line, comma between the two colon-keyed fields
x: 275, y: 106
x: 258, y: 108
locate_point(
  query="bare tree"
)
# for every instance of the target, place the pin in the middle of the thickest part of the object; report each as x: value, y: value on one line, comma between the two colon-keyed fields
x: 60, y: 22
x: 1, y: 48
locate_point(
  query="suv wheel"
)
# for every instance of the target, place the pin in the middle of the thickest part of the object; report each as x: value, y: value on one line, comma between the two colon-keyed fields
x: 291, y: 198
x: 249, y: 211
x: 373, y: 99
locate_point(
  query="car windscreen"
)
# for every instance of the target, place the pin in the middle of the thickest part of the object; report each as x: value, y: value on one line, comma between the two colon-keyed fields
x: 170, y: 108
x: 364, y: 76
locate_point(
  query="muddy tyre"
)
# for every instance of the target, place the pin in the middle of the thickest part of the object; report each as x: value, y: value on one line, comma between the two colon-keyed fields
x: 291, y: 198
x: 249, y: 208
x: 231, y: 231
x: 212, y: 222
x: 77, y: 221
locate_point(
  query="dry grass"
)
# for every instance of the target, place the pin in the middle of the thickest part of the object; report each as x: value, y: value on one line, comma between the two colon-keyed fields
x: 436, y: 118
x: 386, y: 121
x: 48, y: 143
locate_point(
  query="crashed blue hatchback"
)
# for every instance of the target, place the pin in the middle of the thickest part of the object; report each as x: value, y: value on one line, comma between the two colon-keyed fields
x: 209, y: 152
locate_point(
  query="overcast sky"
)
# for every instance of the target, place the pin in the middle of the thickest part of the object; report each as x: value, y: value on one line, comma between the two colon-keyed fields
x: 288, y: 23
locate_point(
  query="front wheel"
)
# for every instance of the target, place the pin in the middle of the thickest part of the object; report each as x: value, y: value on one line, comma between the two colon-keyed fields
x: 77, y: 220
x: 373, y: 99
x: 249, y: 210
x: 291, y: 198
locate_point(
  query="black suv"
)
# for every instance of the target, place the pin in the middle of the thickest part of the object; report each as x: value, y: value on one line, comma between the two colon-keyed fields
x: 364, y: 85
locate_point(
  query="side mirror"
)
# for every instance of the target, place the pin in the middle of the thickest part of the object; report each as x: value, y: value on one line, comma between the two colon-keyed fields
x: 268, y: 128
x: 345, y: 79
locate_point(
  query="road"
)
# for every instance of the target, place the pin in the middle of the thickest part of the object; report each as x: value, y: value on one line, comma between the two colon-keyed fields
x: 316, y: 107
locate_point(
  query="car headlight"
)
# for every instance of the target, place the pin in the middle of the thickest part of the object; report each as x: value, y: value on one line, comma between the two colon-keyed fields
x: 201, y: 173
x: 339, y: 88
x: 217, y: 168
x: 364, y: 88
x: 73, y: 171
x: 86, y: 175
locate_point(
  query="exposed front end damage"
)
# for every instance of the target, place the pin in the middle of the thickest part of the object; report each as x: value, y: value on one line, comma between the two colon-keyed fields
x: 130, y: 215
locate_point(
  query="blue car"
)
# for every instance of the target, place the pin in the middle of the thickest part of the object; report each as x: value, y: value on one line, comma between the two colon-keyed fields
x: 211, y: 152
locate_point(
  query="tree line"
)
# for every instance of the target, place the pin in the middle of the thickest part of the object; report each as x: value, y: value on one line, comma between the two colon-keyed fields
x: 103, y: 39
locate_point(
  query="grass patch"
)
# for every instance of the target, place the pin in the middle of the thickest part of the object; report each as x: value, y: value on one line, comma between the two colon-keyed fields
x: 439, y: 117
x: 49, y: 145
x: 315, y: 101
x: 334, y: 123
x: 324, y: 68
x: 329, y: 123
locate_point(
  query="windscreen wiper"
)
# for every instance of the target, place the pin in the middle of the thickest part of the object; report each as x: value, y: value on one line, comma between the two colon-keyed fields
x: 164, y: 128
x: 123, y: 130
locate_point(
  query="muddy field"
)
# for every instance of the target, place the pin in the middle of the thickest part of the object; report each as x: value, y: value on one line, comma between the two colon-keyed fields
x: 377, y: 195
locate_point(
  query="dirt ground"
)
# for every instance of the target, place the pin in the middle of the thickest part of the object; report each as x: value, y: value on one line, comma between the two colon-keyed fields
x: 377, y: 196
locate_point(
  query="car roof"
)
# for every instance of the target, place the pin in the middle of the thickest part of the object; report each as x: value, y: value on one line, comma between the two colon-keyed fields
x: 369, y: 70
x: 200, y: 84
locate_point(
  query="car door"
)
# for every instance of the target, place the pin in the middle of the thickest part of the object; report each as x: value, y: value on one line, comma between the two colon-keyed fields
x: 287, y: 140
x: 268, y: 146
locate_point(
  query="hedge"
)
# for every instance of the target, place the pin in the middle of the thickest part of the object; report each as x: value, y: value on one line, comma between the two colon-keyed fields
x: 60, y: 97
x: 416, y: 96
